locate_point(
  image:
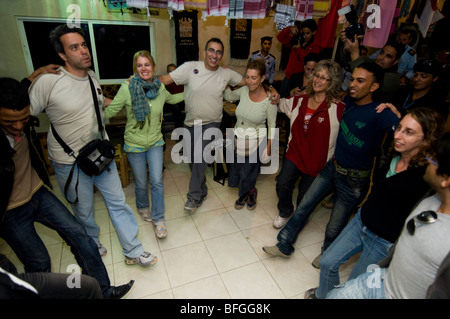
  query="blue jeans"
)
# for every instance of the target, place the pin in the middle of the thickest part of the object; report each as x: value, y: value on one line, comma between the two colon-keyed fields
x: 369, y: 285
x: 349, y: 193
x: 109, y: 185
x: 244, y: 175
x: 138, y: 162
x: 286, y: 180
x: 17, y: 228
x: 354, y: 238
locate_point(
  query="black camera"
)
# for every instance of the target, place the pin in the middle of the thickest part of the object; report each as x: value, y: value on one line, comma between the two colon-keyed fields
x: 354, y: 29
x: 299, y: 37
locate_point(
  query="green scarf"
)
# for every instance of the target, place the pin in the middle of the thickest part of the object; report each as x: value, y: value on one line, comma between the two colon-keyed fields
x: 141, y: 91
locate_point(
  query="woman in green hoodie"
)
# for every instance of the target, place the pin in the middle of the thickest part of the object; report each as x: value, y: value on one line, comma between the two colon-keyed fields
x: 144, y: 96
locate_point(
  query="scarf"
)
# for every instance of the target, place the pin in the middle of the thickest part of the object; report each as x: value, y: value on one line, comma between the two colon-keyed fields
x: 141, y: 91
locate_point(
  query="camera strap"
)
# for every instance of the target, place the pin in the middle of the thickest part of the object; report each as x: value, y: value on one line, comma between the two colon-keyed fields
x: 66, y: 147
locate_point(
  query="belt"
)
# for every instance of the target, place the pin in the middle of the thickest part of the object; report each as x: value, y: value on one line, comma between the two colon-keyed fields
x: 352, y: 172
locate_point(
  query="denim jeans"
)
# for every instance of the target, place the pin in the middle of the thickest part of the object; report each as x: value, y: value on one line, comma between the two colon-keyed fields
x: 286, y: 180
x: 349, y: 193
x: 369, y: 285
x: 244, y: 175
x: 138, y: 162
x: 354, y: 238
x: 110, y: 187
x: 44, y: 207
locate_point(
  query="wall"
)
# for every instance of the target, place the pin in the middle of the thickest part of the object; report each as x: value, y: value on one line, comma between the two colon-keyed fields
x: 12, y: 58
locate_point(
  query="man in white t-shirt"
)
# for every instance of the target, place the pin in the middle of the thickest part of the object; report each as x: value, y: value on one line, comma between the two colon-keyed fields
x: 204, y: 82
x: 68, y: 101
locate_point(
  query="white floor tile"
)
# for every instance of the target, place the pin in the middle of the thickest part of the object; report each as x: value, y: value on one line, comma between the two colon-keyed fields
x: 293, y: 275
x: 208, y: 288
x: 251, y: 282
x: 230, y: 251
x: 214, y: 223
x: 148, y: 280
x: 188, y: 264
x: 214, y: 253
x: 181, y: 231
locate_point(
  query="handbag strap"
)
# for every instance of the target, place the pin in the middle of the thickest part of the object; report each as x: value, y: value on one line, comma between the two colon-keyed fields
x: 69, y: 151
x: 66, y: 147
x: 97, y: 108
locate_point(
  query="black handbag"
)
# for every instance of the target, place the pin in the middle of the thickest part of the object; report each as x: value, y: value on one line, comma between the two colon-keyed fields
x: 94, y: 158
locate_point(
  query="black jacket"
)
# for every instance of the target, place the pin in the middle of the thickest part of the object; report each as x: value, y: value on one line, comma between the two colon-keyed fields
x: 7, y: 163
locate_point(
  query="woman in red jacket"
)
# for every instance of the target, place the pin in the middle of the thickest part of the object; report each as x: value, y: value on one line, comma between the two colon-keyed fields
x: 301, y: 43
x: 314, y: 119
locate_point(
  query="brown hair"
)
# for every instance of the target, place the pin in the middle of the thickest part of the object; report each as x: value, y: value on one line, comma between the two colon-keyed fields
x: 433, y: 125
x: 260, y: 66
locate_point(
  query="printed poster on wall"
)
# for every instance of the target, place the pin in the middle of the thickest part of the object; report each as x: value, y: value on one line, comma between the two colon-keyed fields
x: 240, y: 38
x: 186, y: 35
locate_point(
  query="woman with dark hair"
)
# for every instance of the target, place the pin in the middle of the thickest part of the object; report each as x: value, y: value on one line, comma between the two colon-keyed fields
x: 144, y: 96
x: 300, y: 39
x: 252, y: 113
x: 397, y: 187
x: 314, y: 119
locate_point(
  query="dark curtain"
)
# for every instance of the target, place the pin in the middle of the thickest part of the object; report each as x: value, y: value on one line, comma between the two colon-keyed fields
x: 240, y: 38
x: 186, y: 35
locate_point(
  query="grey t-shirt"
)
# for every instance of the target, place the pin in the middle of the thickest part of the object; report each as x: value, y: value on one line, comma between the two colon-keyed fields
x: 417, y: 258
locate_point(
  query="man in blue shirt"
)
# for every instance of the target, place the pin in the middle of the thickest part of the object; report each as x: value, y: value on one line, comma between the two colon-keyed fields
x: 266, y: 44
x: 409, y: 57
x: 348, y: 173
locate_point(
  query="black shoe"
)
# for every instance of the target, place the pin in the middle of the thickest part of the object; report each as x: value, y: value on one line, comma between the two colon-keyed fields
x: 240, y: 203
x: 120, y: 291
x: 251, y: 201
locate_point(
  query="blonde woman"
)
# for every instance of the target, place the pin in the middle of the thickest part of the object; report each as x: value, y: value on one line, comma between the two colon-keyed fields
x: 144, y: 96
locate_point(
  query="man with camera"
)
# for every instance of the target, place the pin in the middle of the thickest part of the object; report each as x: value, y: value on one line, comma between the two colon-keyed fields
x: 69, y: 102
x: 387, y: 59
x: 300, y: 39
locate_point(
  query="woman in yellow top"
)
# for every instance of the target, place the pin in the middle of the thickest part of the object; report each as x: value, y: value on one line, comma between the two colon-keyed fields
x: 144, y: 96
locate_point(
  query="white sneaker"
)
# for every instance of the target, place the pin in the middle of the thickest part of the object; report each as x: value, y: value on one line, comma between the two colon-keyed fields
x: 279, y: 222
x: 145, y: 259
x: 160, y: 230
x: 101, y: 249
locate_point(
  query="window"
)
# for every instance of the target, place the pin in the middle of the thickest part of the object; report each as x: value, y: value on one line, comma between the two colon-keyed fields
x: 112, y: 45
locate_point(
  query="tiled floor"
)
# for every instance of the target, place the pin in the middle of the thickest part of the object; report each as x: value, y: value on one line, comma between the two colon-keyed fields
x: 213, y: 253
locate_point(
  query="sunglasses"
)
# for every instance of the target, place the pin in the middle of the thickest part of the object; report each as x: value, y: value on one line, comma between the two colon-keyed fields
x: 426, y: 217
